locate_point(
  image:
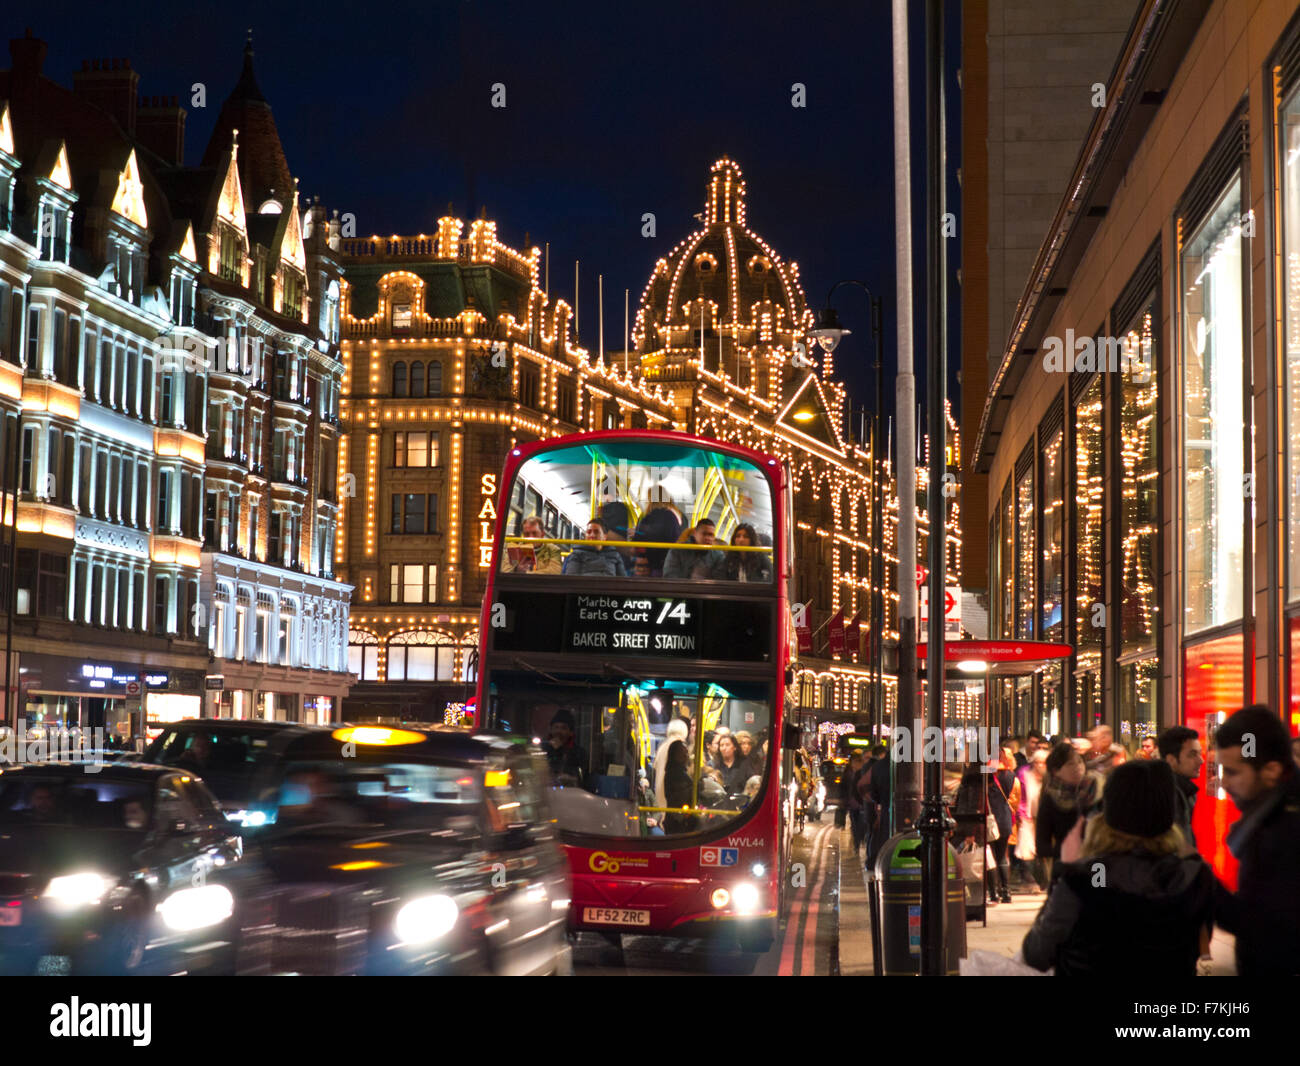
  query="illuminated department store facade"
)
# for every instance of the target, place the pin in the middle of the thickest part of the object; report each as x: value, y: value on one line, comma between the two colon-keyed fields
x: 1142, y: 500
x: 428, y: 420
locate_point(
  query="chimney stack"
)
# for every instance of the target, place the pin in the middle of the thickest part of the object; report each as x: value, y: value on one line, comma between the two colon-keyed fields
x: 28, y: 54
x: 160, y: 127
x: 110, y: 85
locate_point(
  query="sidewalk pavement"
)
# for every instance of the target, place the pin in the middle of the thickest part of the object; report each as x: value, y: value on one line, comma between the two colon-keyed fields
x: 1005, y: 932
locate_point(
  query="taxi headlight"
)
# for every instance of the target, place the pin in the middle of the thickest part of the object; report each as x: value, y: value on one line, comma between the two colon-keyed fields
x: 744, y: 897
x: 426, y: 919
x: 77, y: 890
x: 196, y: 908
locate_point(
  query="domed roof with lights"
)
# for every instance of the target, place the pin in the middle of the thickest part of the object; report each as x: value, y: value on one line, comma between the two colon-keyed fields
x: 725, y: 272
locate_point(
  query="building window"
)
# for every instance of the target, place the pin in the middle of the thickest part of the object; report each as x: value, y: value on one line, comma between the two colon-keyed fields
x: 529, y: 384
x: 413, y: 583
x: 399, y: 379
x: 1213, y: 391
x: 1139, y: 489
x: 1026, y: 516
x: 435, y: 379
x: 417, y: 379
x: 33, y: 339
x: 1289, y: 130
x: 566, y: 404
x: 413, y: 513
x: 1089, y: 508
x: 1053, y: 510
x: 363, y: 655
x: 421, y: 657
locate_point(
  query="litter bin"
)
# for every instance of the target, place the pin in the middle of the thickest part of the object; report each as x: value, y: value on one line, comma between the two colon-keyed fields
x: 896, y: 908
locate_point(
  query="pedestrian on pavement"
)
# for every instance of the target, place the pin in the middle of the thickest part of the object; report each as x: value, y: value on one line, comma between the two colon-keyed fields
x: 1180, y: 747
x: 878, y: 776
x: 1104, y: 754
x: 1133, y: 906
x: 1030, y: 782
x: 1260, y: 776
x: 1072, y: 793
x: 1004, y: 799
x: 852, y: 800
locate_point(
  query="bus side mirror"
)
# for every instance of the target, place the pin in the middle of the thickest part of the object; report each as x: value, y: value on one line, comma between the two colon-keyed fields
x: 790, y: 737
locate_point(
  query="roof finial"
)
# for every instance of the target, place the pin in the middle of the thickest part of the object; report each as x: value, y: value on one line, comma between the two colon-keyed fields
x: 234, y: 143
x: 248, y: 45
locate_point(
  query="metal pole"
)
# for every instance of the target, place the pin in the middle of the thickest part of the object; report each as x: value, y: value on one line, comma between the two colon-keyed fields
x: 906, y: 805
x: 877, y: 523
x: 11, y: 535
x: 934, y: 824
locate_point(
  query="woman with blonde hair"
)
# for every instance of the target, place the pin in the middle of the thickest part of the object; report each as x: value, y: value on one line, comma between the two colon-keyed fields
x: 1138, y: 903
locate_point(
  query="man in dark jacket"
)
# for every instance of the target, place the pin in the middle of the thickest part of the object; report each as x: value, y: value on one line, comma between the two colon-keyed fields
x: 567, y: 760
x: 1264, y: 913
x: 595, y: 561
x: 879, y: 772
x: 1180, y: 747
x: 852, y: 799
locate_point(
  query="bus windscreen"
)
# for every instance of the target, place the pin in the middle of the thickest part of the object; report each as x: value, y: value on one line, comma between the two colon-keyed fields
x: 665, y: 510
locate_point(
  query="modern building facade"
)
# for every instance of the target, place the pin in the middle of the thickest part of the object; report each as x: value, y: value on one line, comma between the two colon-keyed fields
x: 162, y: 330
x: 1143, y: 411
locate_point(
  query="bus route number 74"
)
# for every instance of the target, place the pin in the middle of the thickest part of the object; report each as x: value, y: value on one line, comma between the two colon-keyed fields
x: 673, y: 610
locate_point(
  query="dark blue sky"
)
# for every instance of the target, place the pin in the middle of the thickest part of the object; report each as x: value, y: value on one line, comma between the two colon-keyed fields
x: 613, y: 110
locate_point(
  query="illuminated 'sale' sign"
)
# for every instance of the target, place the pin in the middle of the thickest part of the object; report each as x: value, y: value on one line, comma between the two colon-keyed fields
x: 486, y: 516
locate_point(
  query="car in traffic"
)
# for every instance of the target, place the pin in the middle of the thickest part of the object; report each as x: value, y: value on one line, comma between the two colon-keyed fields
x: 404, y: 851
x: 119, y: 869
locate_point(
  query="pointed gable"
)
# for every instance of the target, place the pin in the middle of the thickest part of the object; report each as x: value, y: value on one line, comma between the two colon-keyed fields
x: 807, y: 414
x: 187, y: 249
x: 128, y: 200
x: 230, y: 203
x: 60, y: 173
x: 6, y: 131
x: 292, y: 250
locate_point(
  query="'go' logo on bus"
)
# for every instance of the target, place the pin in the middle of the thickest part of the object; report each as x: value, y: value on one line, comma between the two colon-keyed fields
x: 601, y: 863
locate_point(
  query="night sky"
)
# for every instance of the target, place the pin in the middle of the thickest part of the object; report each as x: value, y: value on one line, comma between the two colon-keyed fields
x: 613, y: 110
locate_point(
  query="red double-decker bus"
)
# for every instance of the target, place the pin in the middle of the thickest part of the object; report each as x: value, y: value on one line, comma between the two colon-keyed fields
x: 636, y: 626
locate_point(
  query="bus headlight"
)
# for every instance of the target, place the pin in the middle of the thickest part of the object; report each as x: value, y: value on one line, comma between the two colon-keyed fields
x: 745, y: 897
x: 196, y: 908
x: 426, y: 919
x: 720, y: 898
x: 758, y: 869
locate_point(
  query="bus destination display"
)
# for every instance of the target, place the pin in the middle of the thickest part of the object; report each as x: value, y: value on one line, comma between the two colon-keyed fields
x: 662, y: 625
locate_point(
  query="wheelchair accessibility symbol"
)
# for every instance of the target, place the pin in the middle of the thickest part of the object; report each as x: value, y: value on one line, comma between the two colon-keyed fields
x: 719, y: 856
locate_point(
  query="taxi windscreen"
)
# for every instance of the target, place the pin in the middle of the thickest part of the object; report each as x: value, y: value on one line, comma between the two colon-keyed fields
x: 700, y: 514
x: 33, y: 799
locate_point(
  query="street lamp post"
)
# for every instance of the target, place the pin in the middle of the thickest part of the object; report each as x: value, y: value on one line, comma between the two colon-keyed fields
x: 934, y: 824
x: 828, y: 333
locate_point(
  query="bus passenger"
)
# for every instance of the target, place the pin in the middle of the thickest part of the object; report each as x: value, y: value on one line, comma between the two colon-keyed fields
x: 748, y: 752
x: 660, y: 524
x: 733, y: 766
x: 641, y: 567
x: 748, y: 566
x: 538, y: 559
x: 595, y: 561
x: 567, y: 761
x: 677, y: 790
x: 684, y: 564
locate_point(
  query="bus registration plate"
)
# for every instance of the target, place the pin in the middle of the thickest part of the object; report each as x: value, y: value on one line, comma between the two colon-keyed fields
x: 615, y: 916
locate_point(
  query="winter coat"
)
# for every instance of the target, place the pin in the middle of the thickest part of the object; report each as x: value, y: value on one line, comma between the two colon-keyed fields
x: 604, y: 562
x: 659, y: 525
x: 1264, y: 913
x: 686, y: 564
x: 734, y: 777
x: 1059, y: 807
x: 677, y: 791
x: 749, y: 566
x: 1131, y: 915
x: 1185, y: 791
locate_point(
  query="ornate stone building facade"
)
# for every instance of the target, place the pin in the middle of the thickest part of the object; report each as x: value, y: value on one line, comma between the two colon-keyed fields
x: 169, y: 372
x: 452, y: 354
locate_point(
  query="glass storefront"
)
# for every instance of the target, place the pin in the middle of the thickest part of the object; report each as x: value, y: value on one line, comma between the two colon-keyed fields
x: 1007, y: 549
x: 1025, y: 550
x: 1213, y: 390
x: 1139, y: 489
x: 1289, y: 129
x: 1089, y: 558
x: 1139, y: 687
x: 1053, y: 510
